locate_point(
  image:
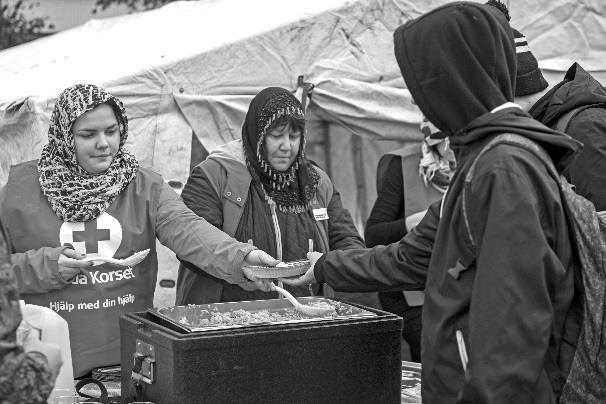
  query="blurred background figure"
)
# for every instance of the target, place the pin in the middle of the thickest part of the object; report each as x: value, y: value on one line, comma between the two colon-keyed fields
x: 576, y: 105
x: 27, y: 369
x: 408, y: 181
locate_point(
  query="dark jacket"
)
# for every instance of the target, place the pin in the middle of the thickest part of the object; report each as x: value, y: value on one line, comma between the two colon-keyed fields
x: 504, y: 303
x: 579, y: 89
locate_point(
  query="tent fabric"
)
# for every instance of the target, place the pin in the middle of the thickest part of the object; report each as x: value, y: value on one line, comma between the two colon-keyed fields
x: 193, y: 67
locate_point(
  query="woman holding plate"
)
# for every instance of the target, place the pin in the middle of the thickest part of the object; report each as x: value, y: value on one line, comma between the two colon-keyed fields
x: 87, y: 197
x: 261, y: 189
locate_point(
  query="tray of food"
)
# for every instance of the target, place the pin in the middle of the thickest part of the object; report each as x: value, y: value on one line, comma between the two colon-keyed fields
x: 282, y: 270
x: 205, y: 317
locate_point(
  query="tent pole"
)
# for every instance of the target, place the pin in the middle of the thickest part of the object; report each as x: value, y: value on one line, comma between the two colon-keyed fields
x: 358, y: 166
x: 327, y: 148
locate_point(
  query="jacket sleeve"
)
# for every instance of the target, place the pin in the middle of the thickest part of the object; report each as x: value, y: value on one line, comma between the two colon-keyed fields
x: 37, y: 271
x: 24, y: 377
x: 588, y: 170
x: 399, y: 266
x: 342, y: 232
x: 518, y: 222
x: 195, y: 240
x: 386, y: 223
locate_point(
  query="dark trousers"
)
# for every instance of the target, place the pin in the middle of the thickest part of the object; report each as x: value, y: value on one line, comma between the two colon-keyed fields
x: 394, y: 302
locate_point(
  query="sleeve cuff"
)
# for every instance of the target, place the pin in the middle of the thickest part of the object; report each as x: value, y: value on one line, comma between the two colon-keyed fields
x: 237, y: 276
x: 53, y: 263
x: 319, y: 269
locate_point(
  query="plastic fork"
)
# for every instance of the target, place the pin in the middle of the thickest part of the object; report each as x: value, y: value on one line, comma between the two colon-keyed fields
x: 303, y: 308
x: 125, y: 262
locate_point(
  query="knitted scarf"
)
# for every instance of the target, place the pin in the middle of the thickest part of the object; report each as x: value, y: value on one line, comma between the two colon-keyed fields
x: 437, y: 162
x: 75, y: 195
x: 293, y: 189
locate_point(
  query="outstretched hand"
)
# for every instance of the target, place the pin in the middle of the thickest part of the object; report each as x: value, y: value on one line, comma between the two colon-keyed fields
x: 70, y: 262
x: 308, y: 277
x: 260, y: 257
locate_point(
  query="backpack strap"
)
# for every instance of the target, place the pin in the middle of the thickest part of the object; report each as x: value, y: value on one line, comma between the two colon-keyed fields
x: 505, y: 138
x: 563, y: 121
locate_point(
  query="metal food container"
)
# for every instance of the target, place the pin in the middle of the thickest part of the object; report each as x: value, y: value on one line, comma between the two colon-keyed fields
x: 192, y: 318
x: 171, y: 355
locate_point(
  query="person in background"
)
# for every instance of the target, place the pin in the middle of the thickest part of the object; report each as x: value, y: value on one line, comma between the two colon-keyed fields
x: 408, y: 181
x: 496, y: 298
x: 28, y: 371
x: 576, y: 106
x: 87, y: 196
x: 261, y: 188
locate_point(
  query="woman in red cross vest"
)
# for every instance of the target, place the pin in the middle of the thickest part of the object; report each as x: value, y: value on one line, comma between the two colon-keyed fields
x: 87, y: 196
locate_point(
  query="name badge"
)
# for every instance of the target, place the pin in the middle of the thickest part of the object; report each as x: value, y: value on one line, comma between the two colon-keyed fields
x: 321, y: 214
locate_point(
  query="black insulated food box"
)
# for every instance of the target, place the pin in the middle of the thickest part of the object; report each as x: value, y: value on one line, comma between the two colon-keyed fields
x: 344, y: 359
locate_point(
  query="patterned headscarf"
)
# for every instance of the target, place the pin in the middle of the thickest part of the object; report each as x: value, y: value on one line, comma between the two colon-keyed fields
x: 293, y: 189
x: 75, y: 195
x: 437, y: 162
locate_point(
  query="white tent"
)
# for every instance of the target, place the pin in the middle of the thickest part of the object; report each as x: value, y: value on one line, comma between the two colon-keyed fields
x: 187, y: 71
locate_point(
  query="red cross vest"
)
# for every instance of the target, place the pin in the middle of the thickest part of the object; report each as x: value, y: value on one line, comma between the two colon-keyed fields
x: 95, y: 299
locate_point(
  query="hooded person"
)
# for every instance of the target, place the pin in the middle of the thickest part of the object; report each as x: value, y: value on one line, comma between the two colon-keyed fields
x: 87, y: 196
x: 577, y: 106
x: 494, y: 315
x: 262, y: 188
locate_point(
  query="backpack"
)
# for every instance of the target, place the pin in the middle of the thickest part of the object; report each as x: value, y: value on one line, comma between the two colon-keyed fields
x: 586, y: 379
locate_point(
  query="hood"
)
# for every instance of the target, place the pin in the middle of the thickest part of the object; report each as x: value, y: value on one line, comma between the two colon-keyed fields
x: 229, y: 155
x: 578, y: 88
x: 458, y: 61
x: 558, y: 145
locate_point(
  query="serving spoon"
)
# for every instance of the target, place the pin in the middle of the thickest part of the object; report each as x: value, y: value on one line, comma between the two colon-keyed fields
x: 125, y: 262
x: 304, y: 308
